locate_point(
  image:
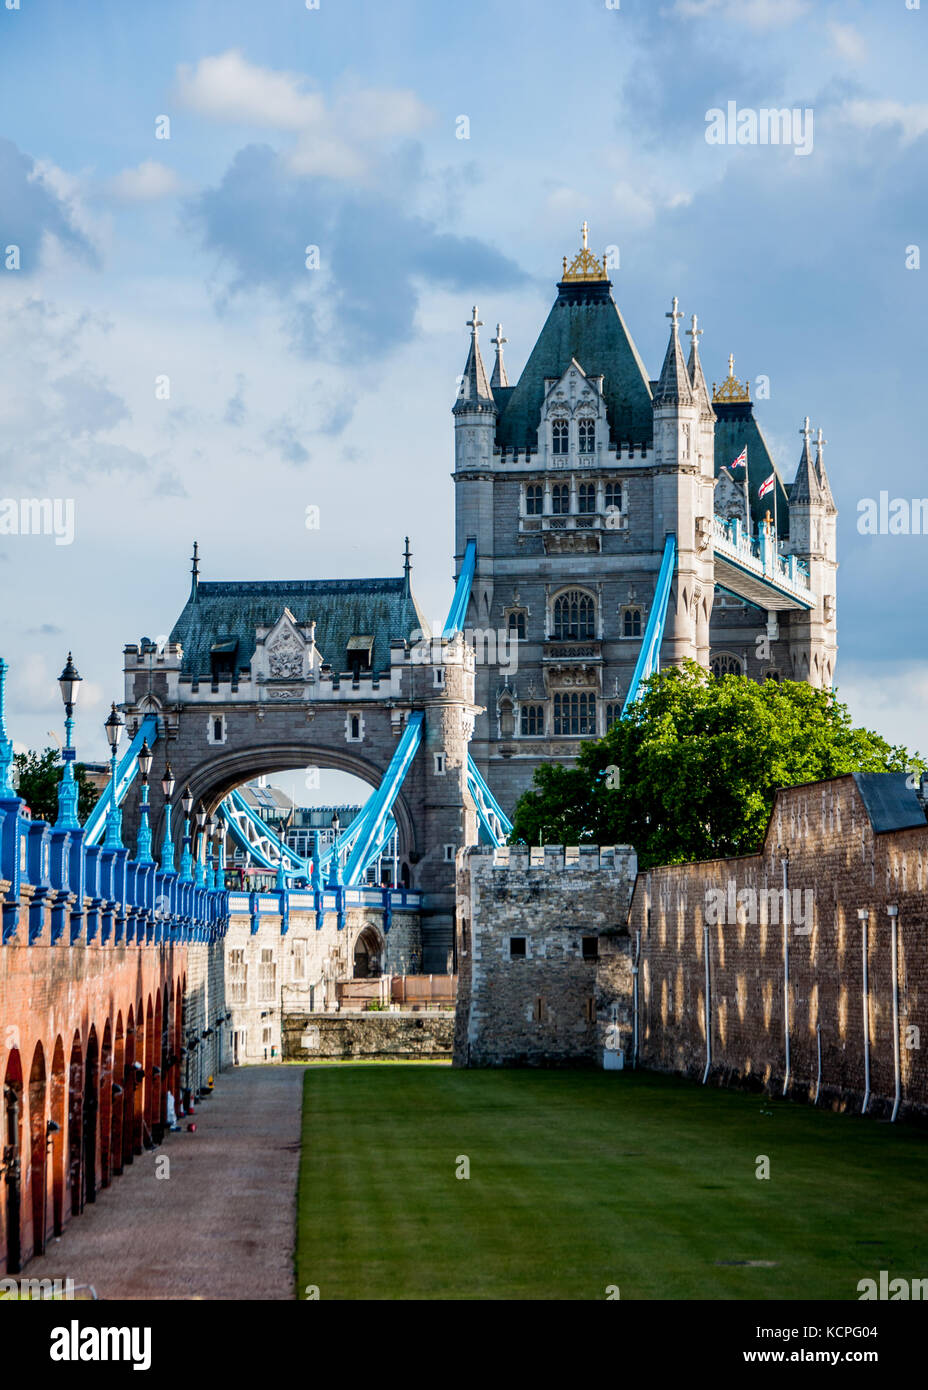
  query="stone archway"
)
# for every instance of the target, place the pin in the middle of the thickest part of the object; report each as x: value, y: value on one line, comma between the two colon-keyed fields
x: 368, y: 955
x: 90, y: 1115
x: 38, y: 1150
x: 76, y: 1124
x: 12, y: 1126
x: 59, y: 1117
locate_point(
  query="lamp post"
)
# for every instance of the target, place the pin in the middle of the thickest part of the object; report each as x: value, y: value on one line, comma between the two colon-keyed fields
x: 200, y: 879
x: 167, y: 844
x: 186, y: 860
x: 113, y: 726
x: 210, y: 857
x: 336, y: 857
x: 146, y: 757
x: 68, y: 791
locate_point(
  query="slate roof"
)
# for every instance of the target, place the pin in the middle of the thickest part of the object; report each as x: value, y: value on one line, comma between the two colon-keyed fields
x: 342, y: 609
x: 736, y: 427
x: 584, y: 323
x: 889, y: 803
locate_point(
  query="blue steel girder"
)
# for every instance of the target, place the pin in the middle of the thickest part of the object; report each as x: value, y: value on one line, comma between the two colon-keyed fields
x: 126, y: 770
x: 649, y: 657
x: 379, y: 806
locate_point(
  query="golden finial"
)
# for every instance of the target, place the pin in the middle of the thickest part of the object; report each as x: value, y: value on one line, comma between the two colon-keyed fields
x: 585, y: 266
x: 732, y: 391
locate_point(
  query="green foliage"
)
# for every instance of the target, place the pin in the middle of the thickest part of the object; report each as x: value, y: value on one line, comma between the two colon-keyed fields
x: 700, y: 760
x: 39, y: 775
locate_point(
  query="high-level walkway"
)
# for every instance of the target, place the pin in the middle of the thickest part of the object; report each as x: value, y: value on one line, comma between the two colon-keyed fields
x: 221, y: 1226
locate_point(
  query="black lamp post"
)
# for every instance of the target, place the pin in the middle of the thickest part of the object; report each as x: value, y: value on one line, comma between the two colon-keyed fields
x: 69, y: 682
x: 113, y: 727
x: 167, y: 844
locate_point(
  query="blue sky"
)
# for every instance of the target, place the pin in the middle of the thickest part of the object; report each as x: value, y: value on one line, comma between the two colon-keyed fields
x: 144, y: 258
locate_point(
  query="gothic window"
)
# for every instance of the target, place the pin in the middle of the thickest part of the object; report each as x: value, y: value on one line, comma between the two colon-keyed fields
x: 217, y: 730
x: 612, y: 496
x: 726, y: 665
x: 772, y: 675
x: 267, y: 978
x: 631, y: 622
x: 517, y: 625
x: 534, y: 499
x: 586, y: 498
x: 574, y: 616
x: 587, y: 436
x: 575, y: 713
x: 532, y: 721
x: 560, y: 499
x: 613, y: 713
x: 559, y: 435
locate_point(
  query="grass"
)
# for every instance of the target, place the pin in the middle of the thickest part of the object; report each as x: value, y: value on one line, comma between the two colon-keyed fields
x: 582, y: 1180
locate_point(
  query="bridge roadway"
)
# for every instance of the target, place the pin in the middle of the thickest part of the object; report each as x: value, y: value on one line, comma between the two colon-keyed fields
x: 222, y: 1226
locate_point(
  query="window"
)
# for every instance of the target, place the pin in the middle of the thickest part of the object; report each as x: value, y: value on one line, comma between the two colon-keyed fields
x: 631, y: 622
x: 517, y: 625
x: 355, y: 726
x: 267, y: 978
x: 590, y: 948
x: 589, y: 1010
x: 439, y: 764
x: 217, y: 730
x: 612, y: 495
x: 586, y: 498
x: 560, y: 499
x: 725, y: 665
x: 465, y: 938
x: 574, y: 616
x: 439, y: 675
x: 238, y: 978
x: 450, y: 852
x: 613, y: 712
x: 587, y: 436
x: 532, y: 721
x: 299, y: 959
x: 266, y: 1037
x: 559, y: 434
x: 517, y: 948
x: 534, y: 499
x: 539, y: 1012
x: 575, y: 713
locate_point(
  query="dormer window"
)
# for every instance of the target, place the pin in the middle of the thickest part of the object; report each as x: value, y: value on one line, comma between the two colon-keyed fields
x: 560, y: 432
x: 587, y: 436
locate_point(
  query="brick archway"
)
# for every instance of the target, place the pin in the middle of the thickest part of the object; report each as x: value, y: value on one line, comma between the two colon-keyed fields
x: 11, y: 1117
x: 38, y: 1176
x: 57, y: 1108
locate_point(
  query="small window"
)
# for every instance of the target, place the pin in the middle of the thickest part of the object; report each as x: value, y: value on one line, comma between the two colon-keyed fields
x: 267, y: 978
x: 439, y: 764
x: 299, y: 959
x: 560, y: 433
x: 560, y: 499
x: 517, y: 626
x: 450, y: 852
x: 612, y: 496
x: 217, y: 730
x: 517, y: 948
x: 589, y: 1010
x: 631, y: 622
x: 591, y: 948
x: 586, y: 432
x: 539, y: 1012
x: 726, y: 665
x: 586, y: 498
x: 439, y: 672
x: 613, y: 714
x: 532, y: 721
x: 355, y: 726
x: 534, y: 499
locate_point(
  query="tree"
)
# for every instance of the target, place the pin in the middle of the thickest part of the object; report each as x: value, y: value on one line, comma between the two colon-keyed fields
x: 699, y: 759
x: 39, y: 775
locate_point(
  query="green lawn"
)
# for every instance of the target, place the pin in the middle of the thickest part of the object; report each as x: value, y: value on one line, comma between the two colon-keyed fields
x: 581, y: 1180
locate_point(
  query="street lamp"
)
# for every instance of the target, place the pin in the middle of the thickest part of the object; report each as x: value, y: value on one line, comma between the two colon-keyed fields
x: 210, y: 856
x: 186, y: 862
x: 113, y: 727
x: 68, y: 791
x: 167, y: 844
x: 336, y: 856
x: 146, y: 757
x: 201, y: 869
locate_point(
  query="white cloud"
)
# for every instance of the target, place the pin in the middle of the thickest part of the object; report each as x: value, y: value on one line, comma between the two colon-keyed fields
x: 847, y: 42
x: 868, y: 114
x: 756, y: 14
x: 872, y: 696
x: 147, y: 182
x: 331, y: 137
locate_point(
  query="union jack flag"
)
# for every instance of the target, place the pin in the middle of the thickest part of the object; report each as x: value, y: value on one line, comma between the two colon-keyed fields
x: 742, y: 460
x: 766, y: 486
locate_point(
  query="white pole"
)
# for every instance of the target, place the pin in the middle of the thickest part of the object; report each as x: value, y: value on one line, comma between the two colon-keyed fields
x: 894, y: 919
x: 864, y: 917
x: 635, y: 997
x: 785, y: 864
x: 705, y: 942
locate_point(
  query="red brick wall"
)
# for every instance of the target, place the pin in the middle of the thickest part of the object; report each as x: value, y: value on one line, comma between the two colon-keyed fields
x: 836, y: 856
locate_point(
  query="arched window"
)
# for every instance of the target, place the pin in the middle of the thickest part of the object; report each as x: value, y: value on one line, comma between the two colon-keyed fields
x: 575, y: 713
x: 517, y: 625
x: 586, y: 498
x: 532, y: 721
x: 355, y: 726
x: 586, y: 433
x: 631, y: 622
x: 217, y: 730
x: 574, y: 616
x: 560, y: 499
x: 726, y: 665
x: 559, y: 435
x: 612, y: 496
x: 613, y: 713
x: 534, y: 499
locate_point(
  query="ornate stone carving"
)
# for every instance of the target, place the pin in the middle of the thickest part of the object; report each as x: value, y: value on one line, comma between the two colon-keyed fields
x: 285, y: 657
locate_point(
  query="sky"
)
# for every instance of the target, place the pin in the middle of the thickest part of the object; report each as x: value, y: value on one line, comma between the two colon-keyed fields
x: 176, y: 365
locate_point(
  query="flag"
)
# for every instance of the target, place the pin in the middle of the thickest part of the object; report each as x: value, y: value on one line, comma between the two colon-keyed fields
x: 766, y: 486
x: 742, y: 460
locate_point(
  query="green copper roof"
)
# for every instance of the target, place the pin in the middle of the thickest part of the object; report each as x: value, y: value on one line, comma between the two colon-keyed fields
x: 584, y: 323
x: 736, y: 427
x: 342, y: 609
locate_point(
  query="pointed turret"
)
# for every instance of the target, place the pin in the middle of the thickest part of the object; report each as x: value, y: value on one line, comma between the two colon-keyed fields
x: 194, y: 572
x: 674, y: 386
x: 696, y: 375
x: 806, y: 487
x: 499, y: 377
x: 475, y: 392
x: 822, y: 476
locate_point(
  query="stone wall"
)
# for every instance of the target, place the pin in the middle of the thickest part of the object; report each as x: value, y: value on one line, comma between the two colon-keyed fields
x: 544, y: 975
x: 374, y: 1035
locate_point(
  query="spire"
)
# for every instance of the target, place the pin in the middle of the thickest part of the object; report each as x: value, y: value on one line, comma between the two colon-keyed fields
x: 194, y: 572
x: 584, y: 266
x: 407, y: 565
x: 475, y: 393
x: 674, y: 387
x: 694, y: 368
x: 499, y: 377
x: 822, y: 476
x: 805, y: 486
